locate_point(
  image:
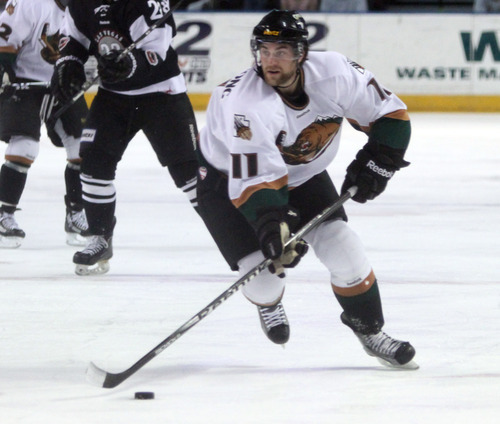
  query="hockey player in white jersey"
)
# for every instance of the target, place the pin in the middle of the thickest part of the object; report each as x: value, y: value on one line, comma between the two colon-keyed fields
x: 29, y: 35
x: 270, y: 134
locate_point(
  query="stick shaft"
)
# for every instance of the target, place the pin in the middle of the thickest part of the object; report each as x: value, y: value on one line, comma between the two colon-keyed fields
x: 110, y: 380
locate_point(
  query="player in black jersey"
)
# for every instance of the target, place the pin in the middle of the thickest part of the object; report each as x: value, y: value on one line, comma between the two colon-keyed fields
x: 144, y: 90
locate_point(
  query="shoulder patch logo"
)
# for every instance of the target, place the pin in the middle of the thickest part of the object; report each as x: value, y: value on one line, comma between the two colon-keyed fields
x: 202, y: 171
x: 152, y: 57
x: 62, y: 42
x: 357, y: 66
x: 242, y: 127
x: 11, y: 7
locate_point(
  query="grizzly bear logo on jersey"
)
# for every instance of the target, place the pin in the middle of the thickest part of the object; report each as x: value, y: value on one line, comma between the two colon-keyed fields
x: 50, y: 51
x: 312, y: 141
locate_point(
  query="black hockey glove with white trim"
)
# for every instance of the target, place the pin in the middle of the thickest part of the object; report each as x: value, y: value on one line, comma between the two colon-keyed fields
x: 373, y: 167
x: 68, y: 78
x: 111, y: 70
x: 273, y: 231
x: 7, y: 75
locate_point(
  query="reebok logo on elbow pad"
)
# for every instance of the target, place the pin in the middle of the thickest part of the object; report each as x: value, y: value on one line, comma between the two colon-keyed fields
x: 378, y: 170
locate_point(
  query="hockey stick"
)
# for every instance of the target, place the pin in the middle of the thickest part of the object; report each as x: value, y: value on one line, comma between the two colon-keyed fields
x: 27, y: 85
x: 90, y: 83
x: 10, y: 88
x: 109, y: 380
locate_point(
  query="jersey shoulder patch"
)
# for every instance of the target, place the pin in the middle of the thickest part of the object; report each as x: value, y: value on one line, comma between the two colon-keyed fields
x: 11, y: 7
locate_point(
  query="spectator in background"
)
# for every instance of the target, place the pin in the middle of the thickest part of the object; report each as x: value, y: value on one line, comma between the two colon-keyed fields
x: 486, y: 6
x: 199, y: 5
x: 377, y: 5
x: 261, y: 4
x: 344, y: 6
x: 228, y: 4
x: 214, y: 5
x: 300, y: 5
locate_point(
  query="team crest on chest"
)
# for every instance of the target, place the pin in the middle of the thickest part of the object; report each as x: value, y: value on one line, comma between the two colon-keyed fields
x: 312, y: 141
x: 107, y: 40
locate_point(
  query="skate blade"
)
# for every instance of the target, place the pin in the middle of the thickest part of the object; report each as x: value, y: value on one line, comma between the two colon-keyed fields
x: 74, y: 239
x: 412, y: 365
x: 100, y: 267
x: 10, y: 242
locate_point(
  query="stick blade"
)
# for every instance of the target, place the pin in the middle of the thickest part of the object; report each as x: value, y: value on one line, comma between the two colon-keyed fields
x: 96, y: 375
x: 108, y: 380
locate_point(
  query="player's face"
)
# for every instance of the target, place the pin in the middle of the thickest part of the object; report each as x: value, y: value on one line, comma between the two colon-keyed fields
x: 279, y: 63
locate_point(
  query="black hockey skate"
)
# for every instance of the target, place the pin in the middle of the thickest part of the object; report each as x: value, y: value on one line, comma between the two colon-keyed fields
x: 11, y: 236
x: 75, y: 225
x: 274, y: 323
x: 94, y: 258
x: 388, y: 351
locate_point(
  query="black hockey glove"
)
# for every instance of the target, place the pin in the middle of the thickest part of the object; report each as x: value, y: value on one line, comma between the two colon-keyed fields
x: 273, y: 231
x: 112, y: 71
x: 373, y: 167
x: 7, y: 75
x: 7, y: 91
x: 68, y: 79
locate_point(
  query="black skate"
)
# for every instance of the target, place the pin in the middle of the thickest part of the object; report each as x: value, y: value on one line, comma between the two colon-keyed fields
x: 11, y: 236
x: 76, y: 227
x: 94, y: 258
x: 274, y: 323
x: 388, y: 351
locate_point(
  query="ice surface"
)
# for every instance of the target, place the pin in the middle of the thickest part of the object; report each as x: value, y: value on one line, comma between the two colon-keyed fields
x: 432, y: 238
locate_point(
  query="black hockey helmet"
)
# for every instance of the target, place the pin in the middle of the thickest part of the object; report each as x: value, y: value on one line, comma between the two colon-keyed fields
x: 282, y: 26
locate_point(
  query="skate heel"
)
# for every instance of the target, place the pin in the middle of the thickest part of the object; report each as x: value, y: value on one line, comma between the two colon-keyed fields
x: 388, y: 351
x: 11, y: 236
x: 94, y: 258
x: 101, y: 267
x: 10, y: 242
x: 75, y: 225
x: 75, y: 239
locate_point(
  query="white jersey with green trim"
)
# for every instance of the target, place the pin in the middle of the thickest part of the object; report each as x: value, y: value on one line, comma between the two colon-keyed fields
x: 32, y: 26
x: 259, y: 140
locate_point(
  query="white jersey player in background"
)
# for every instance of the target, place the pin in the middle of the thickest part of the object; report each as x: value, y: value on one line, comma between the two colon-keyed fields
x: 270, y: 134
x: 29, y: 35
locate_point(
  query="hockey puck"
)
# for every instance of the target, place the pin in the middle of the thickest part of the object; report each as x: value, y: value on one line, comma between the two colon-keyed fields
x: 144, y: 395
